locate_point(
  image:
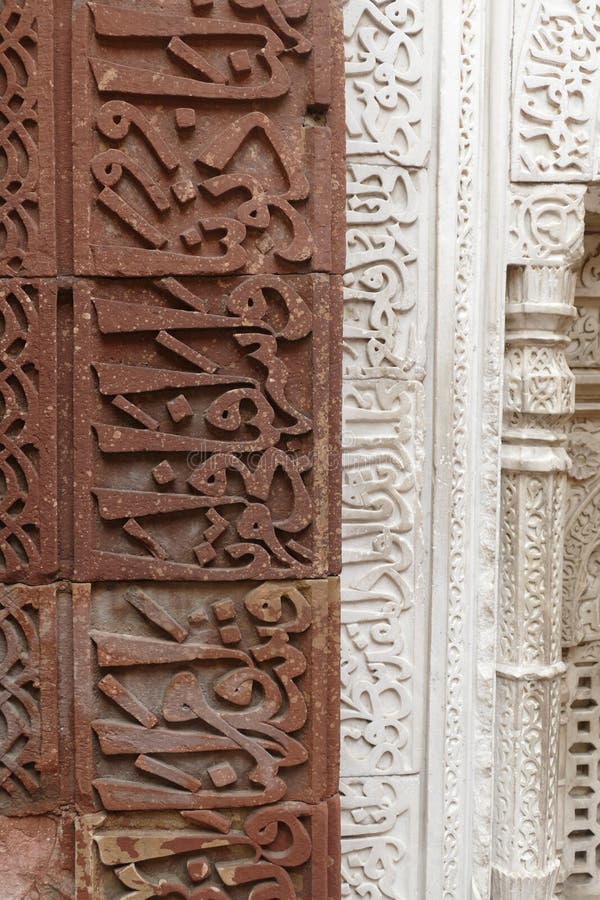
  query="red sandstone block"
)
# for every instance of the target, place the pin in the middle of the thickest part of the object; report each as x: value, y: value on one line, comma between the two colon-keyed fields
x: 27, y: 225
x: 37, y: 857
x: 198, y: 150
x: 292, y: 848
x: 29, y: 739
x: 171, y: 715
x: 222, y: 388
x: 28, y: 430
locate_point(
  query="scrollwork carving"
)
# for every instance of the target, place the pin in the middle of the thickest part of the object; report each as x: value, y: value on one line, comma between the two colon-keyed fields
x: 384, y: 284
x: 380, y: 837
x: 556, y: 91
x: 195, y: 698
x: 381, y: 705
x: 388, y: 81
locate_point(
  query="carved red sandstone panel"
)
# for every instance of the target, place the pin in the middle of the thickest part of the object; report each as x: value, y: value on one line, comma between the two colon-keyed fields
x: 285, y: 851
x: 37, y: 857
x: 205, y: 696
x: 27, y: 429
x: 28, y: 700
x: 203, y: 428
x: 27, y: 244
x: 195, y: 152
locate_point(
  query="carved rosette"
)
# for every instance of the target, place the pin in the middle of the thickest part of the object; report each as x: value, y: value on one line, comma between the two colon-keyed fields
x: 539, y: 398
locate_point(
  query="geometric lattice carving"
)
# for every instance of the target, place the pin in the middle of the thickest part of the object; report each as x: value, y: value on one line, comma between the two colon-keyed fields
x: 26, y: 139
x: 28, y: 699
x: 27, y: 430
x: 581, y: 848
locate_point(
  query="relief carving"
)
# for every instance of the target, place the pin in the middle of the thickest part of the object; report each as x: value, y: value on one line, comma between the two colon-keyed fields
x: 217, y: 396
x: 27, y: 430
x: 380, y: 837
x: 382, y: 619
x: 283, y: 851
x: 28, y: 700
x: 581, y: 571
x: 160, y: 188
x: 555, y: 94
x: 388, y: 51
x: 27, y: 225
x: 202, y: 697
x: 385, y: 280
x: 546, y: 245
x: 196, y: 744
x: 546, y: 224
x: 389, y: 55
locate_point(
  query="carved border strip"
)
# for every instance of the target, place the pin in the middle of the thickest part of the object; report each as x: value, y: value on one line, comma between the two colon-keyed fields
x: 384, y: 643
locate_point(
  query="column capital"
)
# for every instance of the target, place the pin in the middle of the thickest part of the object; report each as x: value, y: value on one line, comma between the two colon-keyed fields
x: 546, y: 224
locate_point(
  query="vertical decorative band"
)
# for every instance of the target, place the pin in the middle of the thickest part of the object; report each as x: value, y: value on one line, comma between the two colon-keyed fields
x: 170, y: 441
x: 546, y: 243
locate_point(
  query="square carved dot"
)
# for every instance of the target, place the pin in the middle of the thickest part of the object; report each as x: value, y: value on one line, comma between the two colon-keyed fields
x: 179, y: 409
x: 221, y: 775
x: 185, y: 117
x: 230, y: 634
x: 224, y: 610
x: 184, y: 191
x: 239, y: 60
x: 163, y: 473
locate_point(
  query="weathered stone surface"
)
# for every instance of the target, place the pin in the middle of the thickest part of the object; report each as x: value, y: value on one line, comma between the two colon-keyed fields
x: 195, y: 151
x: 206, y: 428
x: 37, y: 858
x: 287, y: 850
x: 29, y: 731
x: 205, y: 696
x: 389, y: 51
x: 27, y: 429
x: 386, y: 280
x: 383, y: 672
x: 380, y: 824
x: 27, y: 227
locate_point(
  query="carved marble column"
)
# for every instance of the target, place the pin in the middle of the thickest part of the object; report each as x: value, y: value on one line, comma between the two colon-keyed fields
x: 546, y: 244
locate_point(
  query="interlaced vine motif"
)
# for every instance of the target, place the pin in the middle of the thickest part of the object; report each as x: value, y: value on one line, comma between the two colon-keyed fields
x: 19, y: 481
x: 20, y: 717
x: 455, y: 672
x: 19, y: 161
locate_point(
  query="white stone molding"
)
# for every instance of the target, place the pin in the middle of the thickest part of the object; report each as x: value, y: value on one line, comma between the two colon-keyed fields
x: 383, y: 636
x: 556, y: 90
x: 388, y: 80
x: 386, y: 271
x: 581, y: 775
x: 471, y: 237
x: 423, y: 324
x: 389, y: 54
x: 546, y: 244
x: 381, y: 823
